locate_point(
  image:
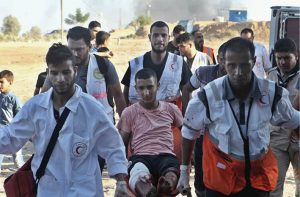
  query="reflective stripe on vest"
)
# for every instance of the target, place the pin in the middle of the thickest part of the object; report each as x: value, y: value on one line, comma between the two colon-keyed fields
x: 219, y: 106
x: 224, y: 172
x: 208, y: 51
x: 169, y: 81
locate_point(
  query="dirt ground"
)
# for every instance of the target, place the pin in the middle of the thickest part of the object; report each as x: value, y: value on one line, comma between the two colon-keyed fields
x: 26, y: 60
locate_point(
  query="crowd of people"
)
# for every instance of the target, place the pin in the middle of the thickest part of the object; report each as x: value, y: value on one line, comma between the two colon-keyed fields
x: 236, y: 115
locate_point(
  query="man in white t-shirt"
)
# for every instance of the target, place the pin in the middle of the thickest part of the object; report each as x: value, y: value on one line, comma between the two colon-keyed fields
x: 262, y: 64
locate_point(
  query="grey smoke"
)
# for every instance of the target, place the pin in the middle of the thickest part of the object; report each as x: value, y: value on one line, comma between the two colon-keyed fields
x: 174, y: 10
x: 119, y: 13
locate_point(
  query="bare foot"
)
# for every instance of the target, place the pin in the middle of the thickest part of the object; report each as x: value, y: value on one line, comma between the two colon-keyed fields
x: 145, y: 189
x: 152, y: 193
x: 167, y: 184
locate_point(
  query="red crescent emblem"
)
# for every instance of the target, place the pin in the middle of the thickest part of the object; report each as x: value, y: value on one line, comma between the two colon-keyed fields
x: 172, y: 66
x: 79, y: 149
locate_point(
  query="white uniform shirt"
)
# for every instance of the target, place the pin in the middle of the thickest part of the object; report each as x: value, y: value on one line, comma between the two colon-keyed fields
x: 201, y: 59
x: 73, y: 168
x: 281, y: 138
x: 262, y: 63
x: 226, y: 131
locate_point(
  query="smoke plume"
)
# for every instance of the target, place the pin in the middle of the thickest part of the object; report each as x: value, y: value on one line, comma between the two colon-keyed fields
x: 174, y: 10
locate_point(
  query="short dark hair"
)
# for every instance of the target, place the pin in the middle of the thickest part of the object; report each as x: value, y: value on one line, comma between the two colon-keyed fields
x: 285, y: 45
x: 145, y: 73
x: 78, y: 32
x: 247, y: 30
x: 184, y: 38
x: 195, y: 30
x: 238, y: 44
x: 59, y: 53
x: 221, y: 48
x: 101, y: 37
x: 159, y: 24
x: 94, y: 24
x: 8, y: 75
x: 177, y: 29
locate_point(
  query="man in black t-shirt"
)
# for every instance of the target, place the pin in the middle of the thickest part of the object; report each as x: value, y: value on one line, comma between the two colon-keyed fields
x: 172, y: 45
x: 157, y: 59
x: 158, y: 68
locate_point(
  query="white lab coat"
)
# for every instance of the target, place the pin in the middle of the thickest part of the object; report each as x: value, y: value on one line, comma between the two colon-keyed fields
x: 73, y: 168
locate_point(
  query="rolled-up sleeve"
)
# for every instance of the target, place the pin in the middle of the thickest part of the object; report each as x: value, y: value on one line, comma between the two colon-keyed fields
x: 285, y: 115
x: 194, y: 120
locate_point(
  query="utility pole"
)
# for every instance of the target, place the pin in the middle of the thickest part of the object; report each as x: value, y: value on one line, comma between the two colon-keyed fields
x: 148, y: 10
x: 120, y: 18
x: 61, y: 21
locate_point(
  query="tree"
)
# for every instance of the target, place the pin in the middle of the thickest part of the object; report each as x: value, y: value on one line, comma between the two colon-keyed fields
x: 35, y: 33
x: 79, y: 17
x: 143, y: 20
x: 11, y: 26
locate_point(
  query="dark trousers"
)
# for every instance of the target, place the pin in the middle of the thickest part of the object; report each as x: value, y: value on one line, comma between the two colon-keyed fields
x: 247, y: 192
x: 101, y: 162
x: 198, y: 183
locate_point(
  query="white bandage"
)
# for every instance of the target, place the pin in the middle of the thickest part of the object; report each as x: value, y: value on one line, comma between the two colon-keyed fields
x: 139, y: 169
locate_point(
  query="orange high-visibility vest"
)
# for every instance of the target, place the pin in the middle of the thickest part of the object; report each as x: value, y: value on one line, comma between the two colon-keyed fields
x: 226, y: 175
x: 177, y: 133
x: 210, y: 53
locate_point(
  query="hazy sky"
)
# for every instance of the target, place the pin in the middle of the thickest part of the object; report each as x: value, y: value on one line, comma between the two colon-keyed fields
x: 111, y: 13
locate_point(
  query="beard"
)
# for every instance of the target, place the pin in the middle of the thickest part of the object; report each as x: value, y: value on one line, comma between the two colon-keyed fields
x: 159, y: 51
x: 68, y: 87
x: 199, y: 46
x: 82, y: 62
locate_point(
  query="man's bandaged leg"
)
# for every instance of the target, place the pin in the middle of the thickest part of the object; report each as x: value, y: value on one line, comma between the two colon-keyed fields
x: 139, y: 170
